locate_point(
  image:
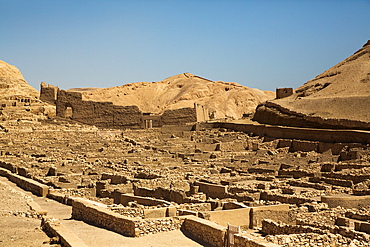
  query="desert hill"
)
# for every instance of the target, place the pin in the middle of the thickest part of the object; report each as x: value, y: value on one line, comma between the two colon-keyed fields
x: 223, y: 99
x: 13, y: 84
x: 337, y: 98
x: 18, y: 100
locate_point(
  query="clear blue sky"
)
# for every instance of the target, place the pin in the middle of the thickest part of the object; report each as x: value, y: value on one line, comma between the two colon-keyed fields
x: 259, y: 44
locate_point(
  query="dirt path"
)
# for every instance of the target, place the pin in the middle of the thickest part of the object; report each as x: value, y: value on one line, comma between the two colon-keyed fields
x: 95, y: 236
x: 17, y: 226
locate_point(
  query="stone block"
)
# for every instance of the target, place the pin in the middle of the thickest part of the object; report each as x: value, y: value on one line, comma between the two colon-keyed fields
x: 171, y: 212
x: 155, y: 213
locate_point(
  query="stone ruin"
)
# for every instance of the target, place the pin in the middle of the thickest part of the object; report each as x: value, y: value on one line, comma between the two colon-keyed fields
x: 107, y: 115
x: 210, y: 180
x: 221, y: 183
x: 283, y: 92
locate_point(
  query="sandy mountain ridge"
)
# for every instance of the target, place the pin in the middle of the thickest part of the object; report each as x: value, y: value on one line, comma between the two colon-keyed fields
x: 340, y: 94
x: 13, y: 84
x: 224, y: 99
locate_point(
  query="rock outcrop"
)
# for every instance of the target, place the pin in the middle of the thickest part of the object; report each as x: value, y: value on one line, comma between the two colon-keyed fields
x: 12, y: 83
x: 18, y: 100
x: 337, y: 98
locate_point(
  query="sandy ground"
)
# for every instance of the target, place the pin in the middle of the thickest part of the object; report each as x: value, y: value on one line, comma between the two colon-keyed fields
x: 17, y: 229
x: 23, y: 231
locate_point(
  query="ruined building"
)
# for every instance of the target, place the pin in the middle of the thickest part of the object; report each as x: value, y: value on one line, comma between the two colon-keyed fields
x: 107, y: 115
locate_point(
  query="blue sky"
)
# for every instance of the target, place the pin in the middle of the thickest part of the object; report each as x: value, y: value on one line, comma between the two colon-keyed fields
x: 259, y: 44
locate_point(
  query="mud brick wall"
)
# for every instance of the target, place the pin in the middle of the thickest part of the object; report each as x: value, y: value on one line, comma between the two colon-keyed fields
x: 100, y: 114
x: 205, y: 230
x: 48, y: 93
x: 202, y: 113
x: 179, y: 116
x: 283, y: 92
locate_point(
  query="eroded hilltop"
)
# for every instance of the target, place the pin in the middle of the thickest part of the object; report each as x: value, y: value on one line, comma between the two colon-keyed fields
x: 337, y: 98
x: 223, y: 99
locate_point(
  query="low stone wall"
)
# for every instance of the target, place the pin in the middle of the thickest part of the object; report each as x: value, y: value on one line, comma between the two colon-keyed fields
x: 172, y: 195
x: 355, y: 178
x: 205, y: 230
x: 273, y: 228
x: 236, y: 217
x: 308, y: 185
x: 26, y: 183
x: 212, y: 190
x: 104, y: 218
x: 338, y: 182
x: 4, y: 172
x: 289, y: 199
x: 115, y: 178
x: 8, y: 166
x: 132, y: 227
x: 147, y: 201
x: 251, y: 241
x: 362, y: 227
x: 281, y: 132
x: 274, y: 212
x: 66, y: 237
x: 270, y: 227
x: 346, y: 201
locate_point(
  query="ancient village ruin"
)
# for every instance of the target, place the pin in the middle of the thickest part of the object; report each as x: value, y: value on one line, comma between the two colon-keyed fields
x: 292, y: 177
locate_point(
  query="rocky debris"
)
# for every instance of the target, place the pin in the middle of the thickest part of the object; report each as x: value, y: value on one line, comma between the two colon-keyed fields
x: 77, y: 160
x: 314, y: 239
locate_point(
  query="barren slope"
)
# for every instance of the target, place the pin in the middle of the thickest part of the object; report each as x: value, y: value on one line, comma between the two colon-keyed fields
x: 339, y: 97
x: 12, y: 83
x: 18, y: 100
x: 224, y: 99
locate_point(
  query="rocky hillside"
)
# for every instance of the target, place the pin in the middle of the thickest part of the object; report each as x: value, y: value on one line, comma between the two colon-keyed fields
x: 223, y: 99
x: 13, y: 84
x: 19, y: 102
x: 337, y: 98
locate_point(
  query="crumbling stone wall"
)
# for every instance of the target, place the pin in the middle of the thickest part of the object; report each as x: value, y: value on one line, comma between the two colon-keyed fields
x: 179, y: 116
x: 132, y: 227
x: 108, y: 115
x: 202, y: 113
x: 205, y: 230
x: 283, y: 92
x: 48, y: 93
x: 100, y: 114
